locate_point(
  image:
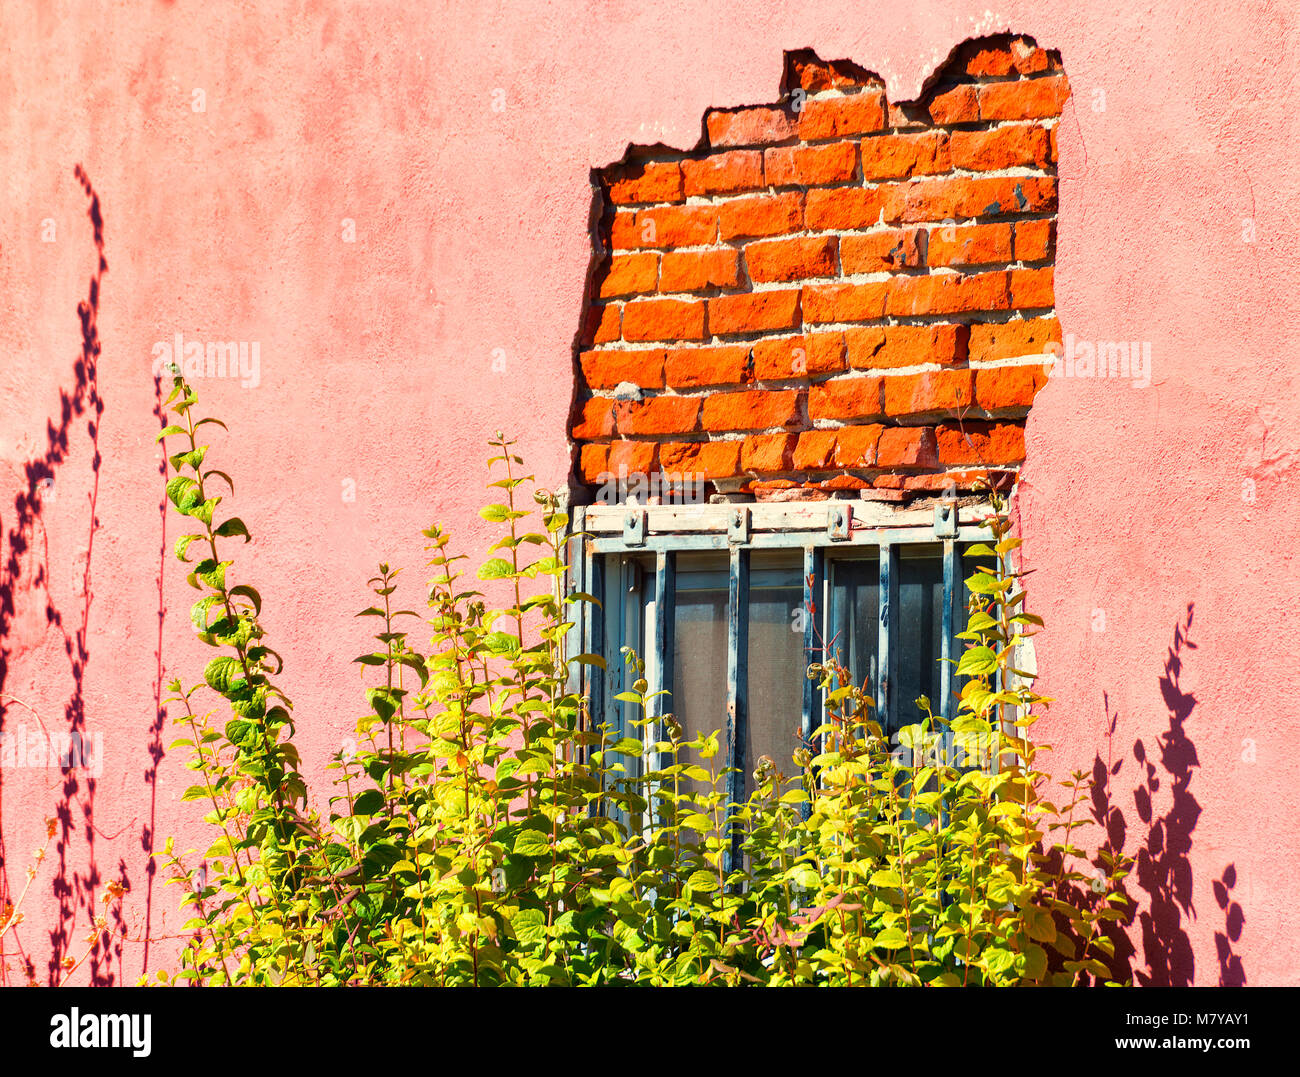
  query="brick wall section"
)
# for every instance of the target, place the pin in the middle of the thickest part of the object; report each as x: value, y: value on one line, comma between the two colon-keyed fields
x: 833, y: 293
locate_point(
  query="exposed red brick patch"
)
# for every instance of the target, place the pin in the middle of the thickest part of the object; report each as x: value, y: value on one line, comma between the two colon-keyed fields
x: 773, y: 282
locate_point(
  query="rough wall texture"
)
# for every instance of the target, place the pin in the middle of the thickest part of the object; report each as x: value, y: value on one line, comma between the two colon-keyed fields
x: 834, y: 292
x: 459, y: 141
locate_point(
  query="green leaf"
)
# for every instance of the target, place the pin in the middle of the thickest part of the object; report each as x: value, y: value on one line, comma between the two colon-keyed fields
x: 497, y: 568
x: 233, y: 526
x: 183, y: 544
x: 179, y: 487
x: 529, y: 927
x: 496, y: 514
x: 221, y: 671
x: 368, y: 803
x: 1035, y: 963
x: 703, y: 882
x: 1038, y: 924
x: 891, y: 938
x: 532, y: 843
x: 977, y: 660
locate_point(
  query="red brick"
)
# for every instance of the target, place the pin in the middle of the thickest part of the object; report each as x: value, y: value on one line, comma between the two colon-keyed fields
x: 855, y: 447
x: 1055, y: 158
x: 707, y: 366
x: 843, y: 207
x: 901, y: 156
x: 719, y: 459
x: 757, y: 409
x: 623, y: 232
x: 905, y: 345
x: 602, y: 324
x: 1008, y: 386
x: 1032, y: 288
x: 881, y: 252
x: 961, y: 196
x: 1003, y: 147
x: 930, y: 484
x: 663, y: 319
x: 629, y: 274
x: 1009, y: 340
x: 767, y: 452
x: 946, y: 293
x: 844, y: 482
x: 990, y: 62
x: 845, y: 398
x: 724, y: 173
x: 658, y: 415
x: 593, y: 462
x: 1020, y: 56
x: 783, y: 490
x: 864, y: 346
x: 711, y: 459
x: 798, y: 357
x: 792, y: 259
x: 749, y: 127
x: 1025, y: 99
x: 959, y: 105
x: 905, y: 117
x: 753, y: 312
x: 1030, y: 59
x: 678, y: 457
x: 691, y: 271
x: 815, y: 450
x: 808, y: 166
x: 1034, y: 240
x: 976, y: 244
x: 764, y: 216
x: 632, y: 457
x: 645, y: 181
x: 596, y: 421
x: 676, y: 226
x: 836, y: 117
x: 813, y: 74
x: 977, y: 442
x: 933, y: 391
x: 907, y: 446
x: 845, y: 302
x: 605, y: 370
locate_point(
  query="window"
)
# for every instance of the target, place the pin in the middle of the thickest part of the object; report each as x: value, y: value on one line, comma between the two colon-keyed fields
x: 728, y: 604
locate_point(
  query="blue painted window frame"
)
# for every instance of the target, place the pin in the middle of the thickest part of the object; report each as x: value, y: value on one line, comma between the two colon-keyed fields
x: 635, y: 573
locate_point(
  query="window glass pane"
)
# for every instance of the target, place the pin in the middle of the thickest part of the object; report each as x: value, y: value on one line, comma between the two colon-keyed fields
x: 855, y: 627
x: 699, y: 698
x: 920, y: 634
x: 776, y: 674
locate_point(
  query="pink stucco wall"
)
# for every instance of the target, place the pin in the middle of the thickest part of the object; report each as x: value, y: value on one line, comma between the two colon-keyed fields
x: 459, y: 139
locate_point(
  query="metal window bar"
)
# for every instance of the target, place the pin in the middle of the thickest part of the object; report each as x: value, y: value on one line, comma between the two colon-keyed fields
x: 619, y: 538
x: 737, y: 685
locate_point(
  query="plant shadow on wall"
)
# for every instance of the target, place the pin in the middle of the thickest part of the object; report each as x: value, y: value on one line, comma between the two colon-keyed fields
x: 1163, y: 858
x: 27, y: 541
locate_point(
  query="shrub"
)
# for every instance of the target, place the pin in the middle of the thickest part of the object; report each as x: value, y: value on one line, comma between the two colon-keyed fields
x: 487, y: 831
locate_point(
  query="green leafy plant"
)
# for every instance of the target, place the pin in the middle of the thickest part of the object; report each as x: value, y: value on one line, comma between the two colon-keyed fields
x: 486, y: 830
